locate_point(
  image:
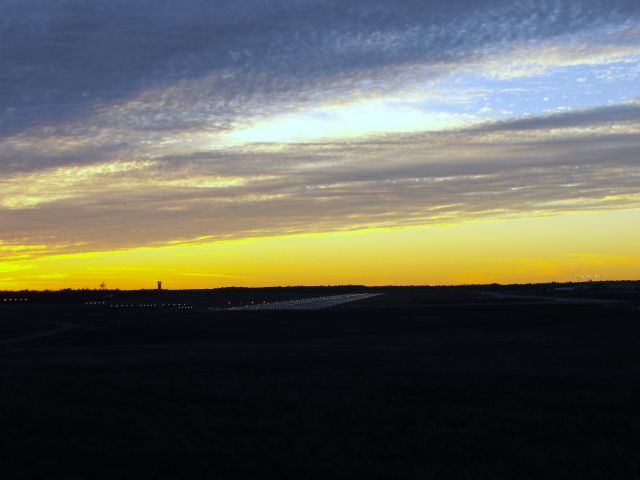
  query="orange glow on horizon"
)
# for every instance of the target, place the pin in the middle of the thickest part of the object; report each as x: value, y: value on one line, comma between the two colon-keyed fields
x: 520, y: 250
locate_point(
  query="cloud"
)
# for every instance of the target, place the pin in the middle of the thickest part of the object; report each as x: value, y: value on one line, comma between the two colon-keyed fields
x: 618, y: 115
x: 390, y: 181
x: 29, y: 190
x: 65, y: 58
x: 141, y: 123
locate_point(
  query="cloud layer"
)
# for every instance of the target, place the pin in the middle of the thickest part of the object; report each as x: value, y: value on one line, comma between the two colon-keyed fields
x: 141, y: 123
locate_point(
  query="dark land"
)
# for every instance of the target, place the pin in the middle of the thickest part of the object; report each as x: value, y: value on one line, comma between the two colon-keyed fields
x: 481, y: 382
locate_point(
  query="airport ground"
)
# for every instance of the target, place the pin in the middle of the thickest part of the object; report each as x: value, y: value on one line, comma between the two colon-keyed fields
x: 474, y: 383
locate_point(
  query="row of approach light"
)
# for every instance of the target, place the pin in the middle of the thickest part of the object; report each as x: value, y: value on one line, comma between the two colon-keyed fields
x: 152, y: 305
x: 15, y: 300
x: 212, y: 309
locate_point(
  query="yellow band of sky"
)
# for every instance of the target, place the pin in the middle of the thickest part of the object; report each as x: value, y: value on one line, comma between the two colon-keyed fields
x: 517, y: 250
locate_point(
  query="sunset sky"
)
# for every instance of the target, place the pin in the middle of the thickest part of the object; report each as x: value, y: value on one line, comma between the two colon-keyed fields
x: 282, y: 142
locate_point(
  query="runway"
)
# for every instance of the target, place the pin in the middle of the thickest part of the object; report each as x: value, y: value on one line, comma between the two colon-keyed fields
x: 316, y: 303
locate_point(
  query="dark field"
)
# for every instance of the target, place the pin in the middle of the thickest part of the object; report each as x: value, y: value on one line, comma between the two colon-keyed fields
x: 418, y: 383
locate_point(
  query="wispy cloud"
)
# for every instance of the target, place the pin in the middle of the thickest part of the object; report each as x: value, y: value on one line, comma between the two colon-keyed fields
x: 388, y: 181
x: 125, y: 124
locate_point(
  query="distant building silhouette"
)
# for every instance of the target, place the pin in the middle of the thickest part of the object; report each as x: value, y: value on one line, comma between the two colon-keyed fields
x: 159, y: 284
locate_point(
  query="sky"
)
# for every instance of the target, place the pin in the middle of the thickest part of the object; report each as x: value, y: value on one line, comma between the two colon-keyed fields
x: 289, y: 142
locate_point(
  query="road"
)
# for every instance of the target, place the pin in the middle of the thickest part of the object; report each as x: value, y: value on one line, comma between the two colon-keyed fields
x: 316, y: 303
